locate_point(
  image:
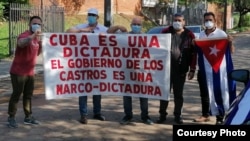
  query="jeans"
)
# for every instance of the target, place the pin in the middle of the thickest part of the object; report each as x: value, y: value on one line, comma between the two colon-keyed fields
x: 83, y: 108
x: 21, y: 85
x: 127, y: 104
x: 163, y: 108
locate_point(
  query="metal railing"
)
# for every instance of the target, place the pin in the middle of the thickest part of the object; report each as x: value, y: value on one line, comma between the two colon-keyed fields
x: 19, y: 15
x: 164, y: 15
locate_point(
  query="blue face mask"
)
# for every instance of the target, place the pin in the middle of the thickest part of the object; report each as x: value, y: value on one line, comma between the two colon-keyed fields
x: 92, y: 19
x: 35, y: 27
x: 136, y: 28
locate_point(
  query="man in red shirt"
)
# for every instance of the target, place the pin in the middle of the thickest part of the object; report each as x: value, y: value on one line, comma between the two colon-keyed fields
x: 22, y: 71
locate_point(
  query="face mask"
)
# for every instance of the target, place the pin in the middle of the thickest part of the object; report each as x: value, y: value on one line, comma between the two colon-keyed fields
x: 35, y: 27
x: 92, y: 19
x: 177, y: 25
x: 136, y: 28
x: 209, y: 25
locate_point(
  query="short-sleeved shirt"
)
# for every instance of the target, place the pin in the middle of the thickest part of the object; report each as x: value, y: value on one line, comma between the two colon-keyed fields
x: 98, y: 29
x: 217, y: 33
x: 25, y: 58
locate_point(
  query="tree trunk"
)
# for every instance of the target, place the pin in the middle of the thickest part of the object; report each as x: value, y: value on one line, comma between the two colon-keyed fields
x: 240, y: 20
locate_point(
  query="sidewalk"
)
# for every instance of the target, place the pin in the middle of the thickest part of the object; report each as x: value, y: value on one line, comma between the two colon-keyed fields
x: 59, y: 118
x: 5, y: 84
x: 6, y: 63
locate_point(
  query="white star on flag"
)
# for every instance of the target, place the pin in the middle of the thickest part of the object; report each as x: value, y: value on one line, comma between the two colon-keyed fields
x: 214, y: 50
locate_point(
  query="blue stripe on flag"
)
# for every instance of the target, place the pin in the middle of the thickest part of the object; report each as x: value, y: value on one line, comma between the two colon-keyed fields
x: 233, y: 111
x: 216, y: 80
x: 231, y: 83
x: 217, y: 92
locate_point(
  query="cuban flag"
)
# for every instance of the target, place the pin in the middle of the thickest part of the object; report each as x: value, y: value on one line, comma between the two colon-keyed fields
x: 215, y: 62
x: 239, y: 112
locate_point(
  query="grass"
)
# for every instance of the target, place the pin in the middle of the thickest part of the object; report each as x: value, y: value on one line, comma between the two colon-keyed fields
x: 117, y: 20
x: 4, y: 41
x: 78, y: 19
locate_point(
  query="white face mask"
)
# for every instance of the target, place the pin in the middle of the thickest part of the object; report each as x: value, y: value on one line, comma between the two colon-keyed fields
x: 209, y: 25
x: 177, y: 25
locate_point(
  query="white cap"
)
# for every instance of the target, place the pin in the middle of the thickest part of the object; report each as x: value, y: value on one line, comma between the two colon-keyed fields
x: 93, y: 11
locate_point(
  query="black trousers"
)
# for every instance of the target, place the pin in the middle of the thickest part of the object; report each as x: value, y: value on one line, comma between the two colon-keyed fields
x: 204, y: 95
x: 205, y: 106
x: 177, y: 84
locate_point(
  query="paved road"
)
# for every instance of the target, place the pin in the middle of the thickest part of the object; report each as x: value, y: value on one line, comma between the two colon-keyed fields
x: 59, y: 118
x: 5, y: 66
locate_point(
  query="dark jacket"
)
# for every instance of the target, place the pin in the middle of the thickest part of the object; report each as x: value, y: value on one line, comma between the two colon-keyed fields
x: 186, y: 61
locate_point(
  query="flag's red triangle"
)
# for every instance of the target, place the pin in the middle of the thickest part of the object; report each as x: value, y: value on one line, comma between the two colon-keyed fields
x: 213, y: 50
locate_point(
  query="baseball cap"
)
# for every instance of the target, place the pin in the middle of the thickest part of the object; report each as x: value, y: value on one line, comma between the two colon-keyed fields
x: 93, y: 11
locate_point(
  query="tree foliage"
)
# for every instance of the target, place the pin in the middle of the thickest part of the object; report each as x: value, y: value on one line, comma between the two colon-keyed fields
x: 15, y: 1
x: 243, y: 7
x: 211, y: 1
x: 73, y: 6
x: 220, y: 1
x: 4, y: 7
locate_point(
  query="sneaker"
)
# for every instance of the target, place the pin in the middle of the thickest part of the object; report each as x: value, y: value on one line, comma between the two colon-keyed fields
x: 178, y: 120
x: 30, y: 120
x: 99, y: 117
x: 126, y: 120
x: 161, y: 119
x: 219, y: 122
x: 12, y: 122
x: 84, y: 120
x: 202, y: 119
x: 148, y: 121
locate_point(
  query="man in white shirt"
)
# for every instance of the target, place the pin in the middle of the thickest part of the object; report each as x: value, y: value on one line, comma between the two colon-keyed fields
x: 210, y: 32
x: 92, y: 26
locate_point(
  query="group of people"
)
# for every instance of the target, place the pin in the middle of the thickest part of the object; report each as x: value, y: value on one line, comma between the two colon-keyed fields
x: 183, y: 65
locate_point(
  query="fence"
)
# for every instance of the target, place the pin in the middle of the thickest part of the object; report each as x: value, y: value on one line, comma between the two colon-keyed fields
x: 19, y: 14
x: 164, y: 15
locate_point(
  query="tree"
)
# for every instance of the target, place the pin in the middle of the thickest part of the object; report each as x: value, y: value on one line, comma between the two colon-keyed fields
x: 15, y: 1
x: 73, y: 6
x: 5, y: 7
x: 243, y: 7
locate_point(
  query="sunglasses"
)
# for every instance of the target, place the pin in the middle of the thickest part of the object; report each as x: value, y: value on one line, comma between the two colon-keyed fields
x: 36, y: 23
x: 208, y: 20
x: 178, y: 20
x: 92, y: 14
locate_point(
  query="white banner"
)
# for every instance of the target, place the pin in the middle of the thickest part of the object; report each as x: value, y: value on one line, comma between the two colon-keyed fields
x: 135, y: 65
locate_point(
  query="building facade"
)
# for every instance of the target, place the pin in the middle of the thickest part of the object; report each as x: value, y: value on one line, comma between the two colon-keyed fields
x: 127, y: 7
